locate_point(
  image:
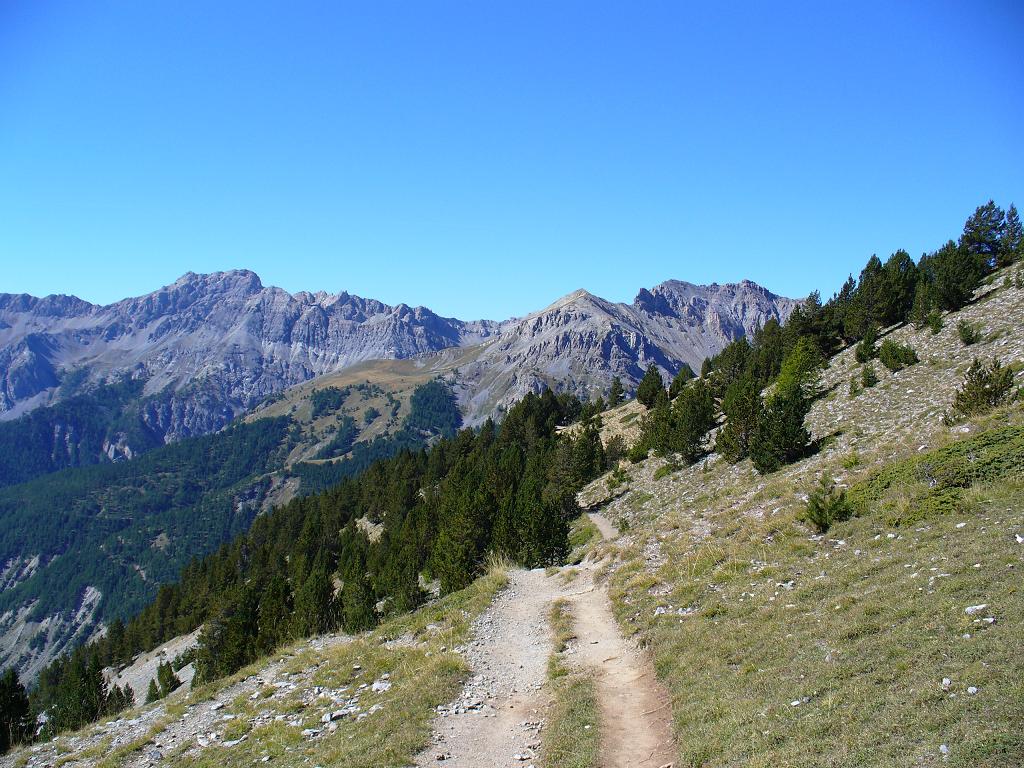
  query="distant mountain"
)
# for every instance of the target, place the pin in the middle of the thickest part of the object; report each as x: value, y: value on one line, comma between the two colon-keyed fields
x: 581, y: 341
x: 209, y: 347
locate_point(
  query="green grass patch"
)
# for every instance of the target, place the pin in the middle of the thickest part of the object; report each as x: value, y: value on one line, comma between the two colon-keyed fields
x: 572, y: 736
x: 919, y: 488
x: 780, y: 649
x: 582, y: 535
x: 638, y: 498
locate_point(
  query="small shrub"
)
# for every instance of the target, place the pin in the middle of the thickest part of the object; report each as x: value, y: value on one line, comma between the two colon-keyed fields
x: 969, y: 334
x: 826, y: 506
x: 984, y: 387
x: 934, y: 321
x: 866, y: 349
x: 895, y: 356
x: 855, y: 386
x: 638, y: 452
x: 868, y: 377
x: 617, y: 478
x: 664, y: 471
x: 1019, y: 282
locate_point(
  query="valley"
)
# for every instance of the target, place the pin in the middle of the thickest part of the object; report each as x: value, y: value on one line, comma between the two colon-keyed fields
x: 689, y: 587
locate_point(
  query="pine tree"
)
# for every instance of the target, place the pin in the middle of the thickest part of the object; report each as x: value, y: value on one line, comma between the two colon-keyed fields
x: 692, y: 417
x: 314, y: 604
x: 166, y: 678
x: 357, y: 600
x: 1011, y: 243
x: 779, y: 436
x: 741, y: 406
x: 462, y: 528
x: 680, y: 380
x: 587, y: 456
x: 984, y: 387
x: 866, y: 349
x: 153, y: 693
x: 802, y: 367
x: 81, y: 694
x: 14, y: 711
x: 922, y: 306
x: 955, y: 273
x: 650, y: 385
x: 616, y: 392
x: 983, y: 232
x: 655, y: 428
x: 275, y: 613
x: 119, y: 699
x: 899, y: 282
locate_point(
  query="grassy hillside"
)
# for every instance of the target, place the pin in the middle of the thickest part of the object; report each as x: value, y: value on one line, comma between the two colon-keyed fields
x: 785, y: 647
x: 383, y: 686
x: 381, y: 387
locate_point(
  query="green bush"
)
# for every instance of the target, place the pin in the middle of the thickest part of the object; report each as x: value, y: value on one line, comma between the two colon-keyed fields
x: 984, y: 387
x: 664, y: 471
x: 895, y: 356
x: 868, y: 377
x: 866, y: 350
x: 934, y: 321
x: 618, y: 477
x: 826, y: 506
x: 932, y: 484
x: 969, y: 334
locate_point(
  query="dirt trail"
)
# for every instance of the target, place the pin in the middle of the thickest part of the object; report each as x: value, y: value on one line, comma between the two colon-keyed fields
x: 636, y: 721
x: 604, y: 525
x: 636, y: 718
x: 497, y: 719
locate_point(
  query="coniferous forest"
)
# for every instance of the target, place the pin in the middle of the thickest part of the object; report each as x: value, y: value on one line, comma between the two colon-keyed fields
x: 508, y: 489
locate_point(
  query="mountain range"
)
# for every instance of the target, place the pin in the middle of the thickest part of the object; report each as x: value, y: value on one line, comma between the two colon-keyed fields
x: 209, y: 347
x: 101, y: 395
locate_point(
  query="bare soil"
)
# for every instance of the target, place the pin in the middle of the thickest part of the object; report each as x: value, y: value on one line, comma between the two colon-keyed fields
x: 498, y: 718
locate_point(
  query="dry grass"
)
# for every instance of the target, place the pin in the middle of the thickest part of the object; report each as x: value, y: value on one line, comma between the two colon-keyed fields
x: 572, y: 736
x: 782, y: 648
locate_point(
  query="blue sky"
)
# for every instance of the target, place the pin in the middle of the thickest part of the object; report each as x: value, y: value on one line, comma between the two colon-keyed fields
x: 483, y: 159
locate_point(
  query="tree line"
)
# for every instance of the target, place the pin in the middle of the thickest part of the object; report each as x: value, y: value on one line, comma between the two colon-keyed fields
x: 759, y: 390
x: 509, y: 489
x: 309, y: 566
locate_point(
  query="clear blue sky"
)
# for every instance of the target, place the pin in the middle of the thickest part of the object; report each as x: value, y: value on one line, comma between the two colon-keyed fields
x: 483, y: 159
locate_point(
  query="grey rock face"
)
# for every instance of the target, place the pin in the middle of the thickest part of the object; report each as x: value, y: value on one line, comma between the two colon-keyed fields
x: 212, y: 346
x: 581, y: 342
x: 209, y: 346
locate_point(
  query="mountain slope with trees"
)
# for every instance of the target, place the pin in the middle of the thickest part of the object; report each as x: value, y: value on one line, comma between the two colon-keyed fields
x: 722, y: 455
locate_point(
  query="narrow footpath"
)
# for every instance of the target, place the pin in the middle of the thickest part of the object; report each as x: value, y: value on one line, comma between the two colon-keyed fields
x: 497, y: 719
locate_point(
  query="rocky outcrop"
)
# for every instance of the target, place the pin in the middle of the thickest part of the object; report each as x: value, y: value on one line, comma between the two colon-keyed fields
x: 581, y: 342
x: 208, y: 346
x: 212, y: 346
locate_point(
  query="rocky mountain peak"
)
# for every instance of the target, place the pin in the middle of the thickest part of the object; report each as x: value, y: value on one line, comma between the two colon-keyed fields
x: 210, y: 346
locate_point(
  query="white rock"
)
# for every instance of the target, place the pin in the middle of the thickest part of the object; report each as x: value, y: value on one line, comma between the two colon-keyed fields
x: 973, y: 609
